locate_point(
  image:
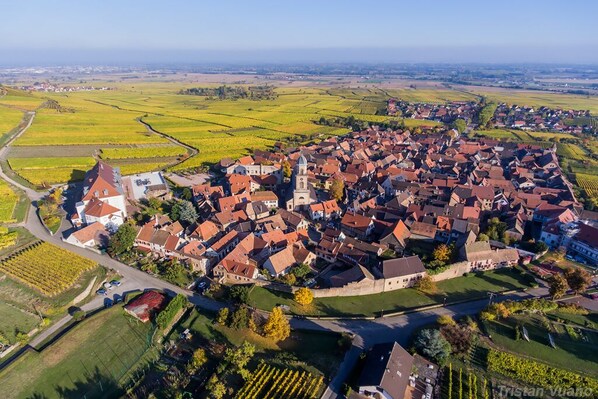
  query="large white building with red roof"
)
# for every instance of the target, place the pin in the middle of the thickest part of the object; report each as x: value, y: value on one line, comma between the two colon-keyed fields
x: 102, y: 198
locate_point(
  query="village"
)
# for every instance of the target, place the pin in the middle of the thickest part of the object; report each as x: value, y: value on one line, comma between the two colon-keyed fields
x: 504, y: 116
x: 369, y: 212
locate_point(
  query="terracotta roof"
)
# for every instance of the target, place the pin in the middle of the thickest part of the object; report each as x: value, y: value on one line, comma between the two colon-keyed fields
x: 145, y: 305
x: 100, y: 182
x: 282, y: 260
x: 98, y: 208
x: 93, y: 231
x: 238, y: 268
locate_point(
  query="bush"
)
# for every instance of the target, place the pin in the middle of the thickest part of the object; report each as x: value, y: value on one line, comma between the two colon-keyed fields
x: 166, y: 316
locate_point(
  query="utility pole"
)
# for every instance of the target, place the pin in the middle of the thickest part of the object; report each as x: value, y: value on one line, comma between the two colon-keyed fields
x: 491, y: 295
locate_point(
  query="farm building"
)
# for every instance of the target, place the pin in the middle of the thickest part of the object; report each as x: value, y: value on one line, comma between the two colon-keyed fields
x: 146, y: 305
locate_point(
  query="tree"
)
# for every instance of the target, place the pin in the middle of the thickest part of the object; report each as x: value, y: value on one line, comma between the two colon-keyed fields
x: 216, y: 388
x: 442, y: 253
x: 172, y: 270
x: 240, y: 293
x: 286, y: 169
x: 304, y: 296
x: 239, y: 356
x: 337, y: 189
x: 578, y: 279
x: 289, y: 279
x: 187, y: 194
x: 483, y: 237
x: 301, y: 270
x: 184, y: 211
x: 240, y: 318
x: 426, y: 284
x: 445, y: 320
x: 122, y: 241
x: 459, y: 336
x: 277, y: 327
x: 558, y: 286
x: 460, y: 125
x: 222, y: 316
x: 432, y: 344
x: 197, y: 361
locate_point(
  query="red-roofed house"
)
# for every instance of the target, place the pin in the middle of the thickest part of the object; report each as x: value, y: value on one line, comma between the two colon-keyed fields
x: 146, y: 305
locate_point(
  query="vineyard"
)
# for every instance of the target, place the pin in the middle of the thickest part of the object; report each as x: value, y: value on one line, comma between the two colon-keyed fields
x: 273, y: 382
x: 589, y: 183
x: 537, y: 373
x: 8, y: 201
x: 570, y: 151
x: 46, y: 268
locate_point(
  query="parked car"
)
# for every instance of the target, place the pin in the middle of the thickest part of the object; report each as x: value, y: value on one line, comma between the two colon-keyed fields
x: 594, y: 296
x: 116, y: 283
x: 108, y: 286
x: 101, y: 291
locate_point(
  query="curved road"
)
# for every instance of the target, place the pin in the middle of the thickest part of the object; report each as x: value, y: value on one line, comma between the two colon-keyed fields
x: 367, y: 332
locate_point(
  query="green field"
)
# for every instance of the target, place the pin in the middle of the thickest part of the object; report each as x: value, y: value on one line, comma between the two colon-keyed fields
x: 575, y: 353
x: 457, y: 289
x: 14, y: 321
x: 89, y: 359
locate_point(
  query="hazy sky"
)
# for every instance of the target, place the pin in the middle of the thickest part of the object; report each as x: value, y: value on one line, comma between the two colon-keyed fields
x: 250, y: 30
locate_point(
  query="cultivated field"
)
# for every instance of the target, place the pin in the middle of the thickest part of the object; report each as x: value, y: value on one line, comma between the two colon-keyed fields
x: 8, y: 201
x: 106, y: 124
x: 49, y: 269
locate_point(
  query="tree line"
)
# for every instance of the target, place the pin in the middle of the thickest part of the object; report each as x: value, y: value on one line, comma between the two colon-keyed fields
x: 224, y: 92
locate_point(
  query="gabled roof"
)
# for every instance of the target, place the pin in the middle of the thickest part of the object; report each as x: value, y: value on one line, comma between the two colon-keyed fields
x: 282, y: 260
x: 98, y: 208
x: 101, y: 182
x: 399, y: 267
x: 387, y: 366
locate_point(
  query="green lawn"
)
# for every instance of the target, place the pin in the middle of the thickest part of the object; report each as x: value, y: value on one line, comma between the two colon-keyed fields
x: 14, y: 320
x: 317, y: 350
x: 578, y: 355
x: 87, y: 362
x: 457, y: 289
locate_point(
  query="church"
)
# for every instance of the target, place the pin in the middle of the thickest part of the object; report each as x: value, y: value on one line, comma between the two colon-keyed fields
x: 302, y: 193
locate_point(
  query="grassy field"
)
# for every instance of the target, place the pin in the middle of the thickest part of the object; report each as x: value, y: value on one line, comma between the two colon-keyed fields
x: 92, y: 357
x: 9, y: 119
x: 14, y: 321
x: 457, y: 289
x: 575, y: 348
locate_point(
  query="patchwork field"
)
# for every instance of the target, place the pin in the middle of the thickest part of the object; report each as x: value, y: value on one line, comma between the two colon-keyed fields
x: 107, y: 124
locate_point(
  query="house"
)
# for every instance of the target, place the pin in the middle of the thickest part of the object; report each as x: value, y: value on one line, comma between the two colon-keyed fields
x: 102, y: 198
x: 401, y: 272
x: 267, y: 197
x: 324, y: 210
x: 146, y: 305
x: 281, y: 262
x: 356, y: 225
x: 235, y: 272
x: 422, y: 231
x: 480, y: 256
x: 386, y: 372
x: 92, y: 235
x: 585, y: 243
x: 395, y: 237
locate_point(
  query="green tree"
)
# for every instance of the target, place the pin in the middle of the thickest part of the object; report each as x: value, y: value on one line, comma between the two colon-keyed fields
x: 432, y: 344
x: 301, y: 270
x: 337, y: 189
x: 240, y: 293
x: 183, y: 211
x: 222, y: 318
x: 426, y: 284
x: 216, y: 388
x: 240, y: 318
x: 483, y: 237
x: 122, y: 241
x: 460, y: 125
x: 558, y: 286
x: 173, y: 271
x: 197, y: 361
x: 578, y: 279
x: 239, y: 356
x: 186, y: 194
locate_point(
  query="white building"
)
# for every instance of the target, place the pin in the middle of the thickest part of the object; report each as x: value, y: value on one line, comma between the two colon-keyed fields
x: 303, y: 194
x: 102, y: 199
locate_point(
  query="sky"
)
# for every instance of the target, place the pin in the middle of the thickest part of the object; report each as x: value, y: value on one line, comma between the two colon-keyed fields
x: 56, y: 31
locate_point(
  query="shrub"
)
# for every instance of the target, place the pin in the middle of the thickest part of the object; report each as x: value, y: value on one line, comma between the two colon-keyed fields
x: 166, y: 316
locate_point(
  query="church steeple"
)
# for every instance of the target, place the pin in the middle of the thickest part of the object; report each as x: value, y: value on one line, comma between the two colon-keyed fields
x: 301, y: 174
